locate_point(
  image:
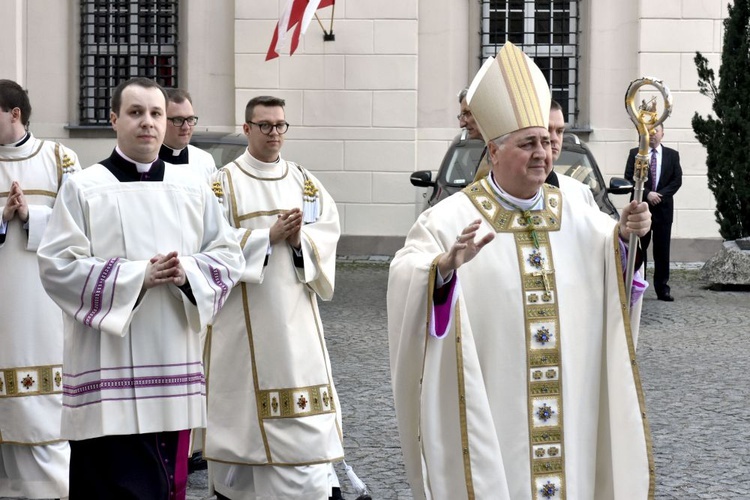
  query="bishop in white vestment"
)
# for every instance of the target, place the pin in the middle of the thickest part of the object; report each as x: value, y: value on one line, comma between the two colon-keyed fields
x: 514, y: 367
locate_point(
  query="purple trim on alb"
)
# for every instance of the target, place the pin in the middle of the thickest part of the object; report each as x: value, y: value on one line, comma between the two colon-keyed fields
x: 216, y: 277
x: 131, y: 383
x: 134, y: 398
x: 222, y: 265
x: 139, y: 367
x: 83, y: 290
x: 96, y: 294
x: 111, y: 298
x: 219, y: 303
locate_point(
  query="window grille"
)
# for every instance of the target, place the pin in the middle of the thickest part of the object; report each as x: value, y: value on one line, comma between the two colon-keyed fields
x: 548, y: 32
x: 121, y: 39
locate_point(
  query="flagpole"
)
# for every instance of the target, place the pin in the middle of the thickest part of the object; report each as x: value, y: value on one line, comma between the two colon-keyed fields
x: 321, y: 24
x: 333, y: 11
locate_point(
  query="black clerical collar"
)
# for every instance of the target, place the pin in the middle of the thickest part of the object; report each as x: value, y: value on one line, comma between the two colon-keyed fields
x: 168, y: 155
x: 552, y: 179
x: 126, y: 171
x: 23, y: 140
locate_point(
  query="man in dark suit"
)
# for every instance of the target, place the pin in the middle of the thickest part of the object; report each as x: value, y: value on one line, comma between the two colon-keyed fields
x: 664, y: 167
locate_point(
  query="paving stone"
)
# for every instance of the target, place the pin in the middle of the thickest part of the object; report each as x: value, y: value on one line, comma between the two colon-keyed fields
x: 694, y: 358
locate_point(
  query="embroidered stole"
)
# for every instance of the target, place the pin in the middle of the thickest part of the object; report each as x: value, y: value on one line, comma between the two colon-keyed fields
x: 543, y: 337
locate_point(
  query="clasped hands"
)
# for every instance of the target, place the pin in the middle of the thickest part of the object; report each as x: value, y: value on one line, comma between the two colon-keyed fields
x: 164, y: 269
x: 287, y: 228
x: 16, y: 204
x: 653, y: 197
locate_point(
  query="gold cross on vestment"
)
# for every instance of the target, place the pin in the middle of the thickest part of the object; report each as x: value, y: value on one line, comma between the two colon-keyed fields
x: 544, y: 273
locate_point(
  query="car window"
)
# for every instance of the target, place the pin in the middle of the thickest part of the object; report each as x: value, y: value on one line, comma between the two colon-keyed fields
x: 222, y: 153
x: 577, y: 165
x: 462, y: 166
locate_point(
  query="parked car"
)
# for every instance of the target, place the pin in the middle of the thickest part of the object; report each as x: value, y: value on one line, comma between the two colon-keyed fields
x: 462, y: 158
x: 223, y: 147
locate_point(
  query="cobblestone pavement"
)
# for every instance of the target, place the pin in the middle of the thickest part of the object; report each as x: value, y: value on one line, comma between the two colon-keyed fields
x: 694, y: 359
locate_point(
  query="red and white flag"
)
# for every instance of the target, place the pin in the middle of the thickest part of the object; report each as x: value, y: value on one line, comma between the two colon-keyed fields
x: 297, y: 15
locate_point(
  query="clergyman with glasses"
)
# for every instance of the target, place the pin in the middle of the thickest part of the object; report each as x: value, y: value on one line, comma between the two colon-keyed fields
x: 274, y: 421
x: 181, y: 122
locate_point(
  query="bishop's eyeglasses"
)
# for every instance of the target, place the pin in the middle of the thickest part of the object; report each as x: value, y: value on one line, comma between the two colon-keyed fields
x: 266, y: 127
x: 177, y: 121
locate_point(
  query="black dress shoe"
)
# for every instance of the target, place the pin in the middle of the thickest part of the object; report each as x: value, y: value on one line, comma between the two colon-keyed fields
x: 196, y: 462
x: 667, y: 297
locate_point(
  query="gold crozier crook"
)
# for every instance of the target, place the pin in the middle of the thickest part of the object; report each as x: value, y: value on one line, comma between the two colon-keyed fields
x: 645, y: 121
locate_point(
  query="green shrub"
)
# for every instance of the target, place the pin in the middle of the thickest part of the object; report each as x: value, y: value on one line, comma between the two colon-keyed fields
x: 727, y: 136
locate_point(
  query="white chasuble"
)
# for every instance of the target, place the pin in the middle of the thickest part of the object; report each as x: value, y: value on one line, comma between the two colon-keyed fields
x: 31, y: 333
x: 271, y: 398
x: 133, y: 356
x: 534, y: 392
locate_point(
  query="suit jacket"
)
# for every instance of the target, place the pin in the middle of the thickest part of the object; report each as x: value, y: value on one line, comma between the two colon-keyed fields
x: 670, y: 181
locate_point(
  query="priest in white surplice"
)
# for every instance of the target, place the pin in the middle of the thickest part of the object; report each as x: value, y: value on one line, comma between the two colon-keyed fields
x: 513, y: 361
x: 274, y: 422
x: 181, y: 122
x: 33, y: 457
x: 140, y: 259
x: 177, y: 150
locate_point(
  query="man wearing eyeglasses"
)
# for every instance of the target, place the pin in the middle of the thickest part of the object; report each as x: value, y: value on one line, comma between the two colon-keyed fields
x: 466, y: 119
x: 272, y: 405
x: 176, y: 149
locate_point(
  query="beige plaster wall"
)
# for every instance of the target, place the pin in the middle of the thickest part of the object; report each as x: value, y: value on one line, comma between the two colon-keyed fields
x: 352, y: 103
x: 633, y: 39
x: 208, y: 70
x: 380, y: 101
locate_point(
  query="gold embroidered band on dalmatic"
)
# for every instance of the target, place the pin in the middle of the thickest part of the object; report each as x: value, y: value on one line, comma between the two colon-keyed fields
x: 297, y: 402
x: 542, y: 330
x: 30, y: 381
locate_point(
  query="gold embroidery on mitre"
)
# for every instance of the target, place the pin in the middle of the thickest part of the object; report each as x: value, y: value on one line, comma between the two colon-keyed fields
x: 516, y: 72
x: 510, y: 78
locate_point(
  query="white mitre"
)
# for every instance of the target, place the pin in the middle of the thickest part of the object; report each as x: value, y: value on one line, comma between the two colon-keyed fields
x: 509, y: 93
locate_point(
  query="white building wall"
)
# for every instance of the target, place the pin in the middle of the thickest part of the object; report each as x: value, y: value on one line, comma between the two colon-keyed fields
x: 380, y: 101
x: 351, y: 103
x: 633, y: 39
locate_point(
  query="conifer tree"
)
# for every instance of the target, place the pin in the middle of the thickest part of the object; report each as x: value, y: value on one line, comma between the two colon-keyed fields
x: 727, y: 136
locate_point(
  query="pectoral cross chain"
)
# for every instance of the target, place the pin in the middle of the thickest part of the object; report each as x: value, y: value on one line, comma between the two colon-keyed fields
x: 532, y: 229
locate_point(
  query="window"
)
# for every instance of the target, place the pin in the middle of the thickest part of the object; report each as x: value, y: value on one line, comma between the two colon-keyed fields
x: 121, y: 39
x: 547, y: 31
